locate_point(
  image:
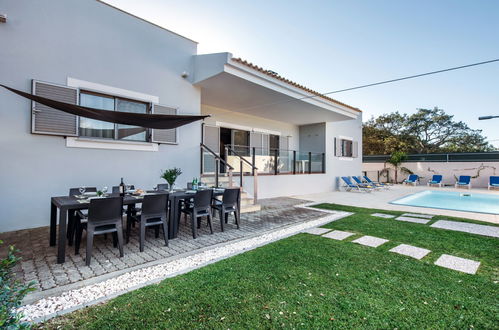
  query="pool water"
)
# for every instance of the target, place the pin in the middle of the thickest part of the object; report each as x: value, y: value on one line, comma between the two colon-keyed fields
x: 449, y: 200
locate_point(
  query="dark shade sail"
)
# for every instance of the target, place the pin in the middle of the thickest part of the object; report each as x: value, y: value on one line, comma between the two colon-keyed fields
x: 127, y: 118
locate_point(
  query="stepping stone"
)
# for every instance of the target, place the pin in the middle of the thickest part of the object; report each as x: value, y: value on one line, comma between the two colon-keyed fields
x: 411, y: 251
x: 466, y: 227
x: 460, y: 264
x: 382, y: 215
x: 370, y: 241
x: 316, y: 231
x: 338, y: 235
x: 415, y: 220
x: 417, y: 215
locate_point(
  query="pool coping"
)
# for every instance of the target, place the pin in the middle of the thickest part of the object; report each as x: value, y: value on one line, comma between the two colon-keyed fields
x: 394, y: 202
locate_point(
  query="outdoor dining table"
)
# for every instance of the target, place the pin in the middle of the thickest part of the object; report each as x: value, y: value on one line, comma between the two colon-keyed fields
x: 68, y: 204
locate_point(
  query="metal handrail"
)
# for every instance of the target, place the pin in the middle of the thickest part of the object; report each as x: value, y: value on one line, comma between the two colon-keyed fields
x: 253, y: 167
x: 218, y: 159
x: 216, y: 156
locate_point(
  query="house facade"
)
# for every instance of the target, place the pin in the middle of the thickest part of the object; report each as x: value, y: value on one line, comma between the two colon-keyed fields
x: 92, y: 54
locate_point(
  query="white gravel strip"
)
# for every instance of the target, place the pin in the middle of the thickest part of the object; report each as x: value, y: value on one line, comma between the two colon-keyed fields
x: 75, y: 299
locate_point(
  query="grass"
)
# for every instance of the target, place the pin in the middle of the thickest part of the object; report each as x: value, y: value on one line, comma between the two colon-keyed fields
x: 308, y: 281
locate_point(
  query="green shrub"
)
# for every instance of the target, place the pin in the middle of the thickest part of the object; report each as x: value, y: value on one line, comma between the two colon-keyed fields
x: 12, y: 293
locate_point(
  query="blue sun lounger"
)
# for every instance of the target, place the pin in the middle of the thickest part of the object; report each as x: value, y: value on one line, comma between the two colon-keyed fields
x: 412, y: 179
x: 464, y: 181
x: 349, y: 185
x: 435, y: 180
x: 494, y: 182
x: 359, y: 182
x: 376, y: 183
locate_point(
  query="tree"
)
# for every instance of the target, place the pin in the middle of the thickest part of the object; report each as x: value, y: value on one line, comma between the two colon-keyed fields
x: 426, y: 131
x: 397, y: 158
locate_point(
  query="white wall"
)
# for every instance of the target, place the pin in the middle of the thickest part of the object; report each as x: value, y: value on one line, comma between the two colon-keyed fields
x: 338, y: 166
x: 236, y: 118
x: 87, y: 40
x: 449, y: 171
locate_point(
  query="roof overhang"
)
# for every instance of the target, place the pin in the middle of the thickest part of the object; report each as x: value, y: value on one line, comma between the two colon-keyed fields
x: 229, y: 84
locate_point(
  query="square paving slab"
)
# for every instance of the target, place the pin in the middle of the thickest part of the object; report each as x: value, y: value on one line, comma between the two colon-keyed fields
x: 410, y: 251
x: 417, y: 215
x: 382, y: 215
x: 316, y: 231
x: 338, y: 235
x: 370, y: 241
x: 460, y: 264
x: 414, y: 220
x: 466, y: 227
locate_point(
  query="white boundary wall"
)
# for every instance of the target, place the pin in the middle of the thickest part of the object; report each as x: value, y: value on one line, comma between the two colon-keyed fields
x: 449, y: 170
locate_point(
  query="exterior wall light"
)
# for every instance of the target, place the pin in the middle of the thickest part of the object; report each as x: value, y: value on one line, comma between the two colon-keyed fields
x: 3, y: 18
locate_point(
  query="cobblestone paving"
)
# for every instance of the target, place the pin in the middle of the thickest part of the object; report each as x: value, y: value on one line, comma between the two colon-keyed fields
x: 39, y: 260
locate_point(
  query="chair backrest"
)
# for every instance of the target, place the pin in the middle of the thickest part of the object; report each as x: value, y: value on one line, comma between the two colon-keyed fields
x: 413, y: 177
x: 494, y: 180
x: 367, y: 179
x: 464, y: 179
x: 347, y: 180
x: 436, y: 178
x: 202, y: 199
x: 76, y: 191
x: 162, y: 186
x: 155, y: 204
x: 231, y: 196
x: 356, y: 179
x: 116, y: 189
x: 105, y: 209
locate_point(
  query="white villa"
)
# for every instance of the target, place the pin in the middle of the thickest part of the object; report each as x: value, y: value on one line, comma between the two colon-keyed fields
x: 89, y: 53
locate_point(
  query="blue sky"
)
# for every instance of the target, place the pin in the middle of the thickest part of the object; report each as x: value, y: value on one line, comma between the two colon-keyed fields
x: 330, y: 45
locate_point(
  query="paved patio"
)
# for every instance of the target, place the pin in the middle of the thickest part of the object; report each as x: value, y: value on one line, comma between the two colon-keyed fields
x: 39, y: 260
x: 381, y: 200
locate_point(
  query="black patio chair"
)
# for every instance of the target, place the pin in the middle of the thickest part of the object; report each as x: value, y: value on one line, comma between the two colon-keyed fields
x: 76, y: 215
x: 153, y: 214
x: 199, y: 207
x: 162, y: 186
x: 134, y: 208
x: 229, y: 204
x: 104, y: 217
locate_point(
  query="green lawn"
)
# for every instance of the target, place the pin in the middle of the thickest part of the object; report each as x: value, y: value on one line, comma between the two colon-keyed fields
x: 308, y: 281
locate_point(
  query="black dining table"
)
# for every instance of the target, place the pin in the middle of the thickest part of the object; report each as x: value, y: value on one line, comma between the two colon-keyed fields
x: 69, y: 204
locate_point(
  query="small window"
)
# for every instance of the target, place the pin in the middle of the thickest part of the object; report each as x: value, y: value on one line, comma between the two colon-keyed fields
x: 346, y: 148
x: 105, y: 130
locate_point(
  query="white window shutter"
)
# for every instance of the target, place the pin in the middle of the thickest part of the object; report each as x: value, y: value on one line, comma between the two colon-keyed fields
x: 337, y: 147
x: 47, y: 120
x: 284, y: 142
x: 211, y: 138
x: 355, y: 149
x: 256, y: 142
x: 164, y: 135
x: 265, y: 144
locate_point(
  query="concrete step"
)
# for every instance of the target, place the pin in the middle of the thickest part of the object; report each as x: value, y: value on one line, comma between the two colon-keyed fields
x: 246, y: 201
x: 250, y: 208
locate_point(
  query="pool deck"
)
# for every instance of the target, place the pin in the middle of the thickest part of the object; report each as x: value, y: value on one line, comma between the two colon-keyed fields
x: 381, y: 200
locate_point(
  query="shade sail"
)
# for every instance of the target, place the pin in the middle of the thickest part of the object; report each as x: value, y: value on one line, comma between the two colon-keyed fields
x: 127, y: 118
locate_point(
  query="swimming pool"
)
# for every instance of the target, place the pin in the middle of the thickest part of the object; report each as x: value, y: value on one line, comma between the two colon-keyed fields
x: 450, y: 200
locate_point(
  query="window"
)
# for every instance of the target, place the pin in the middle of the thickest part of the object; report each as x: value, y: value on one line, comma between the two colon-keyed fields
x: 274, y: 143
x: 100, y: 129
x: 346, y: 148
